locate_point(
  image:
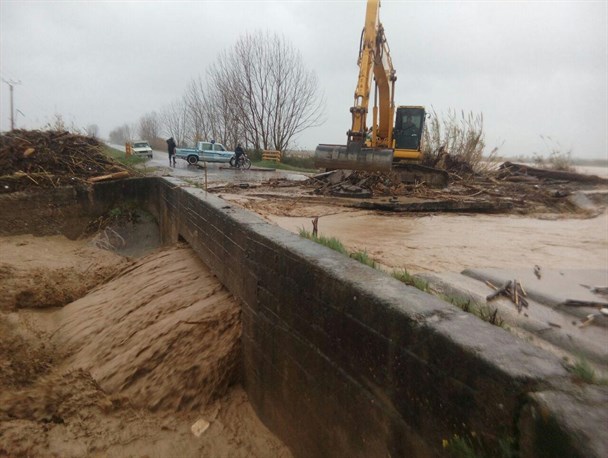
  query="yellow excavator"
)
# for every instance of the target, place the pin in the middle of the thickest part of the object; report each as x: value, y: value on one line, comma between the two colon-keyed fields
x: 394, y: 140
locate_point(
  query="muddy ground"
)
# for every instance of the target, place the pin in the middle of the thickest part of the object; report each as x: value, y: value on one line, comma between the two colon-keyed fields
x: 139, y: 352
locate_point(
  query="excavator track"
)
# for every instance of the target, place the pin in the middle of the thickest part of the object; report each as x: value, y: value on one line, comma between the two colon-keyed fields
x: 331, y: 157
x: 411, y: 173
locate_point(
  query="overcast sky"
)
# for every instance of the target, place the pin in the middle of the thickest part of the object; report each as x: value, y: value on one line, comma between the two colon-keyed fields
x: 531, y: 68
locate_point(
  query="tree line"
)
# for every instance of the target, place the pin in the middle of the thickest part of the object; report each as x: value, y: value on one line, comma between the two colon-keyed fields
x: 257, y: 93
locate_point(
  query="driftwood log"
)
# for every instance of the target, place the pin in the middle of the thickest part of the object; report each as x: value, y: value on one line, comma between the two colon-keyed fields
x: 110, y: 176
x: 513, y: 290
x: 526, y: 170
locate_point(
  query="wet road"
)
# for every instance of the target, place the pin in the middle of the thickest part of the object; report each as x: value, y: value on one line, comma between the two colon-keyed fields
x: 216, y: 173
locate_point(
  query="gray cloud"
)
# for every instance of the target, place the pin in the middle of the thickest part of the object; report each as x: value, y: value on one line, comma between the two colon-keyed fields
x: 532, y: 68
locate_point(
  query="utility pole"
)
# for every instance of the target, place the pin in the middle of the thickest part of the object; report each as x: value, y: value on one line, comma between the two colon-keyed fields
x: 11, y: 85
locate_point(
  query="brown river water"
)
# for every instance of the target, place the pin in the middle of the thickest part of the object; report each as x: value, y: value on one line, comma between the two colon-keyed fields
x: 453, y: 242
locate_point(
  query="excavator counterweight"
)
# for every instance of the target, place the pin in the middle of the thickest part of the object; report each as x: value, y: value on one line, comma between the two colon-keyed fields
x: 339, y: 157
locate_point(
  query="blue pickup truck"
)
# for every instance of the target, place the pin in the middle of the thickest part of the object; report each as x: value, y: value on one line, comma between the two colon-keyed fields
x: 205, y: 152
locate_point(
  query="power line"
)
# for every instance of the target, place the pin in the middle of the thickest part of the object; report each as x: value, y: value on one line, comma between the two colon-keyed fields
x: 11, y: 84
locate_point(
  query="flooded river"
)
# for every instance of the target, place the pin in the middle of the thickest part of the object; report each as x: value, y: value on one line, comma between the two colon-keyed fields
x: 452, y: 242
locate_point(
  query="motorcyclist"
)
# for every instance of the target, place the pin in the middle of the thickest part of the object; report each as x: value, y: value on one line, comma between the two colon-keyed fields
x: 238, y: 152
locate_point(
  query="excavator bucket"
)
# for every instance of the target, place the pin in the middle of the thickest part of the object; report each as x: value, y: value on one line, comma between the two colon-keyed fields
x: 340, y: 157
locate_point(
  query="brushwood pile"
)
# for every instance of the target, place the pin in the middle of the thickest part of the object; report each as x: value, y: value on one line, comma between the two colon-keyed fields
x: 51, y: 159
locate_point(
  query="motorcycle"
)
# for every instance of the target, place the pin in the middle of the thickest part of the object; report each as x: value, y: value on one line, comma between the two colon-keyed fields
x: 244, y: 162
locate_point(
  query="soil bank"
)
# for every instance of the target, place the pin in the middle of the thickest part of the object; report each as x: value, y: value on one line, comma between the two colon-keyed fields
x: 130, y: 367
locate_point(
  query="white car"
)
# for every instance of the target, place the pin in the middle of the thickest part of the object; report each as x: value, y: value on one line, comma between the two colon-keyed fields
x: 141, y: 148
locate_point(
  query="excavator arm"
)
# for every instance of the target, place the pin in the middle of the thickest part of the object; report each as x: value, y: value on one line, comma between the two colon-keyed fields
x: 388, y: 142
x: 374, y: 59
x: 367, y: 150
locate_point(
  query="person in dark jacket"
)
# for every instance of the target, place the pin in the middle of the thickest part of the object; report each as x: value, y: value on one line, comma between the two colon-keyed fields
x: 238, y: 152
x: 171, y: 148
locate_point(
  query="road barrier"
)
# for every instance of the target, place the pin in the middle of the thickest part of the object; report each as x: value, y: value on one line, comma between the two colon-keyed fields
x: 271, y: 155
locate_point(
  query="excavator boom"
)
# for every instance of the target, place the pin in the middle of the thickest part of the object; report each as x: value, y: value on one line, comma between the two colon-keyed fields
x: 374, y: 60
x: 368, y: 148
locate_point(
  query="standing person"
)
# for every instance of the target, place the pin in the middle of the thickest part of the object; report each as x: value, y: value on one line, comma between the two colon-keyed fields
x: 171, y: 148
x: 238, y: 152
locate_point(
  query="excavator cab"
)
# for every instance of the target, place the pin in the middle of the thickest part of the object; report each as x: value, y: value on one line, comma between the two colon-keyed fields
x: 407, y: 134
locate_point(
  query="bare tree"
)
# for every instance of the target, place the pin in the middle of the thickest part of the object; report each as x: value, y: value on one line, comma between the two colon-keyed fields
x: 211, y: 115
x: 130, y: 132
x: 223, y: 115
x: 149, y: 129
x: 123, y: 133
x: 266, y: 91
x: 198, y: 115
x: 149, y: 126
x: 92, y: 130
x: 117, y: 135
x: 175, y: 121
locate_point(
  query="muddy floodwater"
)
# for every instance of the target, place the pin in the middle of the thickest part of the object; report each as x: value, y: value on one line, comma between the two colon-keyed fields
x: 452, y: 242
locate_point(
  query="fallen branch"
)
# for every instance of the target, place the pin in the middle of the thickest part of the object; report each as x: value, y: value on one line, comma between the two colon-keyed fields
x: 499, y: 291
x: 512, y: 290
x: 111, y: 176
x: 577, y: 303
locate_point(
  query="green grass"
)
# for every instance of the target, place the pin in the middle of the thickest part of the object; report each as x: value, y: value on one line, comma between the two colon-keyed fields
x: 121, y: 157
x: 329, y: 242
x: 363, y: 258
x: 481, y: 311
x: 461, y: 447
x: 336, y: 245
x: 405, y: 277
x: 472, y: 447
x: 584, y: 372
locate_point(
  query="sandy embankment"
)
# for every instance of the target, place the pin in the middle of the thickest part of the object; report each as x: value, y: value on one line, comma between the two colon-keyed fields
x: 127, y: 369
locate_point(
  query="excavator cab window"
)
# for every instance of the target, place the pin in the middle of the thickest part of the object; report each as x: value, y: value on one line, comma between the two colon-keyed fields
x: 409, y: 123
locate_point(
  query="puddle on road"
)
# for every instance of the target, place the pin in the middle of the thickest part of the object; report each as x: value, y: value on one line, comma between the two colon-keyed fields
x: 295, y: 177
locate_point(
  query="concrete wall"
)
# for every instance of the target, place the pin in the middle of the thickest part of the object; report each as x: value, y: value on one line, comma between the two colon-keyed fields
x: 69, y: 211
x: 342, y: 360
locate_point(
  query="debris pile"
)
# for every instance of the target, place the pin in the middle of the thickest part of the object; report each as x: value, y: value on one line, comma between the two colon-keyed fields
x: 455, y: 164
x: 521, y: 188
x: 349, y: 183
x: 33, y: 158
